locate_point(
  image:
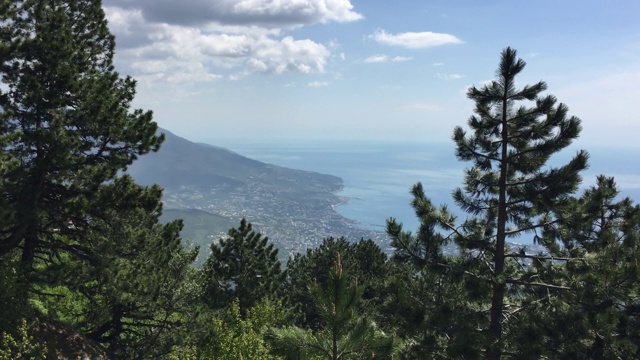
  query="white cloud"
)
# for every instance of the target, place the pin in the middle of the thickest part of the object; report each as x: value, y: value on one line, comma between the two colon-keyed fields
x: 317, y: 84
x: 261, y: 13
x: 438, y: 64
x: 381, y: 58
x: 200, y: 40
x: 448, y: 76
x: 239, y: 75
x: 402, y: 58
x: 288, y: 55
x: 172, y: 71
x: 173, y: 53
x: 376, y: 59
x: 414, y: 40
x: 192, y: 77
x: 333, y: 44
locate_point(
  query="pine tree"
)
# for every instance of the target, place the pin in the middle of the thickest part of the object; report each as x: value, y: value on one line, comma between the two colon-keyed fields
x: 66, y: 128
x: 599, y: 317
x: 132, y: 294
x: 237, y: 336
x: 509, y: 192
x: 363, y: 260
x: 92, y: 252
x: 243, y: 266
x: 430, y: 301
x: 510, y: 186
x: 344, y: 333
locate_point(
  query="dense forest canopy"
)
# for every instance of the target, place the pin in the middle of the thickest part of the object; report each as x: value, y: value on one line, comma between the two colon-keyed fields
x: 88, y: 270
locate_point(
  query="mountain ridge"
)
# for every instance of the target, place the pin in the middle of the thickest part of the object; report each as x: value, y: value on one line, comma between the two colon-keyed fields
x: 192, y: 158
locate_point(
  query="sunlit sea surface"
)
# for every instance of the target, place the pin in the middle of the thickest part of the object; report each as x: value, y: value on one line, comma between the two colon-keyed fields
x: 378, y: 176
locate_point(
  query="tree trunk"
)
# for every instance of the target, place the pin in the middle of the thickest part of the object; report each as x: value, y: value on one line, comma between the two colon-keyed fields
x: 497, y: 301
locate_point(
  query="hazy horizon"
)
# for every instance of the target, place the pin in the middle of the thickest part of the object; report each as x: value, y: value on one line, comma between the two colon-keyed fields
x: 378, y: 175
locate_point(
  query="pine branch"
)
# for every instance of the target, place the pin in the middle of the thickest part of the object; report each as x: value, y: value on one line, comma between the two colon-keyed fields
x: 525, y: 256
x: 485, y: 261
x: 526, y: 283
x: 480, y: 155
x: 532, y: 227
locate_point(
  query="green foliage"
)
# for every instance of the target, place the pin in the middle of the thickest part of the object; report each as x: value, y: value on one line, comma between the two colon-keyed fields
x: 21, y: 346
x: 13, y: 293
x: 92, y: 253
x: 343, y: 333
x: 363, y: 260
x: 183, y: 353
x: 233, y: 336
x: 599, y: 316
x: 129, y: 295
x: 237, y: 338
x: 66, y: 126
x: 510, y: 188
x: 81, y: 244
x: 425, y: 249
x: 509, y: 191
x: 243, y: 266
x: 428, y: 294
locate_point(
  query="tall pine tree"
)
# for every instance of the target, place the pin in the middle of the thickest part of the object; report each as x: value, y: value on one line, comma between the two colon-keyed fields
x: 363, y: 260
x: 66, y: 128
x: 243, y: 266
x: 344, y: 333
x: 599, y: 317
x: 510, y: 186
x: 88, y: 239
x: 437, y: 314
x: 133, y: 294
x: 509, y: 192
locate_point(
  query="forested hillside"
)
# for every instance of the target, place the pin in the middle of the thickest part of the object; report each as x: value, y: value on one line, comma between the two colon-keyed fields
x: 88, y: 270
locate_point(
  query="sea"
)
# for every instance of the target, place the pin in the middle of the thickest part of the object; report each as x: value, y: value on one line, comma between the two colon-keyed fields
x: 378, y: 175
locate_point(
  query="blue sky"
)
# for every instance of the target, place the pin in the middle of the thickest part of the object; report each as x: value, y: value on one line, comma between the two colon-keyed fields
x: 398, y: 70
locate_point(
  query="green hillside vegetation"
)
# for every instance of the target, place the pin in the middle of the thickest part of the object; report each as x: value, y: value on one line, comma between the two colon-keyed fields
x: 93, y: 267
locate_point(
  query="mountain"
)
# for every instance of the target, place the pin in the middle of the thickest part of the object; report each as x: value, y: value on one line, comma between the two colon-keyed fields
x: 181, y: 163
x: 212, y: 188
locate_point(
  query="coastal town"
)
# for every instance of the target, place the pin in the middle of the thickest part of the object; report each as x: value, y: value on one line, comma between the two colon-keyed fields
x: 293, y: 220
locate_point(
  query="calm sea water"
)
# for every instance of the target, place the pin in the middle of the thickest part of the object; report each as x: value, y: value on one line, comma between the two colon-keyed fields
x: 379, y: 175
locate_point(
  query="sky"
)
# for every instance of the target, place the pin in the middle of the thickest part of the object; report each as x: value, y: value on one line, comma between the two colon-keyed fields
x: 283, y: 70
